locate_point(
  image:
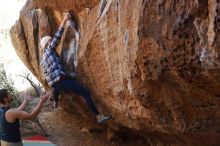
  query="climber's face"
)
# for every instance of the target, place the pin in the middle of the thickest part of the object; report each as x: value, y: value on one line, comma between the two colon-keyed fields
x: 48, y: 43
x: 45, y: 46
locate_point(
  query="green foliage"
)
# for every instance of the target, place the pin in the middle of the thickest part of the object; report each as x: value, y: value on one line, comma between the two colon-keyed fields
x: 7, y: 83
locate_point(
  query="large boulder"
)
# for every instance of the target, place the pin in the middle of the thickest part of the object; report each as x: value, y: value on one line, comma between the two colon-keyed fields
x: 154, y: 65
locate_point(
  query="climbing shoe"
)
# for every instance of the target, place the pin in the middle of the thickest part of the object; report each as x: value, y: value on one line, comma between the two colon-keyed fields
x: 103, y: 119
x: 55, y: 104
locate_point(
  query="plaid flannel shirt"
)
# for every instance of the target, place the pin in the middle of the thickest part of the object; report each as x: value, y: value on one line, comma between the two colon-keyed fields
x: 50, y: 62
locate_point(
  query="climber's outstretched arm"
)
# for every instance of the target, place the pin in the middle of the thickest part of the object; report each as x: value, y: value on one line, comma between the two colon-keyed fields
x: 66, y: 17
x: 56, y: 39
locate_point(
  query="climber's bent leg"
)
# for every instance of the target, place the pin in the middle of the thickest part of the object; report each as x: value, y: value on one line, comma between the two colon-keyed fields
x: 74, y: 86
x: 55, y: 93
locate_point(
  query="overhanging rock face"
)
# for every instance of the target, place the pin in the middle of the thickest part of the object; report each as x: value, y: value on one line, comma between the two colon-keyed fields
x: 154, y: 65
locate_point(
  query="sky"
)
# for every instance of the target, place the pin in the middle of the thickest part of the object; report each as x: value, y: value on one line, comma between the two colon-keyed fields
x: 9, y: 13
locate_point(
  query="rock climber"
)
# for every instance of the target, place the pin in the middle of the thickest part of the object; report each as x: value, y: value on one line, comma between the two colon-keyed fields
x: 9, y: 117
x: 56, y: 76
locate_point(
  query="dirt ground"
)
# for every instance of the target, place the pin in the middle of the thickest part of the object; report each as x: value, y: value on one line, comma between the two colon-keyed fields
x: 68, y: 129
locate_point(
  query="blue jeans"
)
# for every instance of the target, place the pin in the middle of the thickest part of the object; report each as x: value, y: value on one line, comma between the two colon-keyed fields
x: 68, y: 84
